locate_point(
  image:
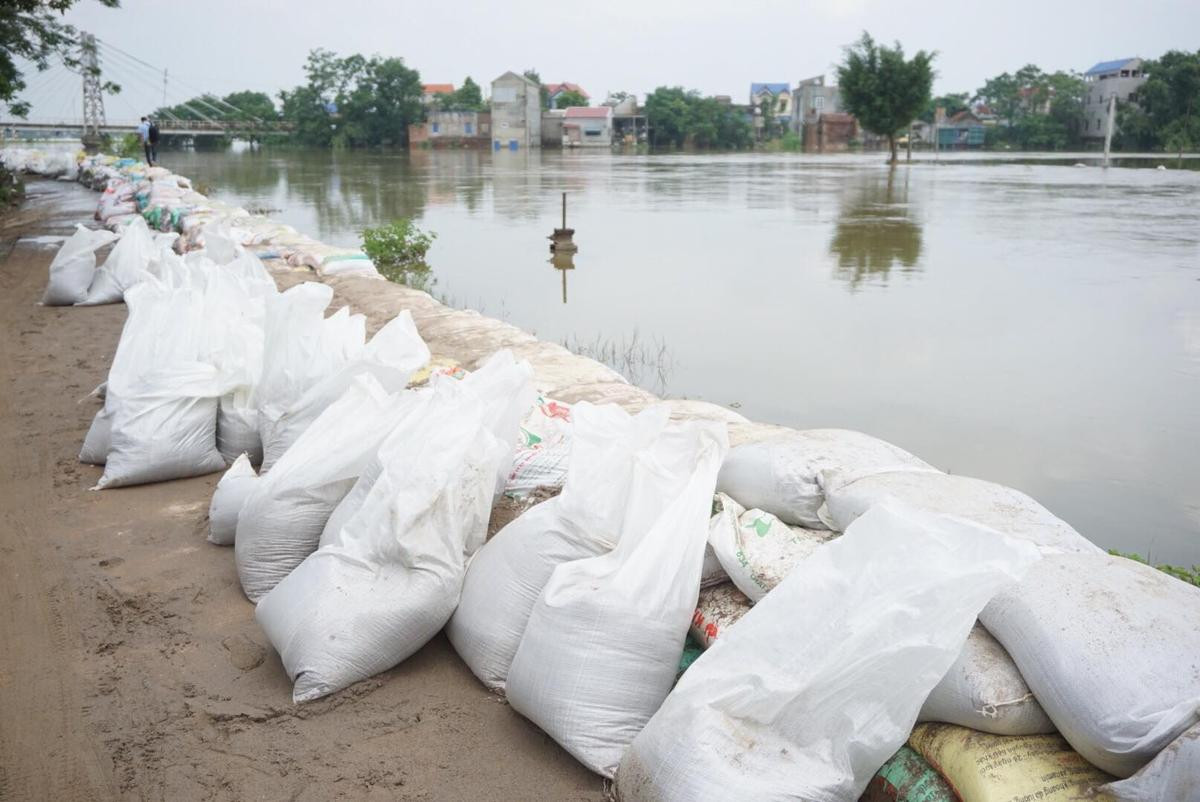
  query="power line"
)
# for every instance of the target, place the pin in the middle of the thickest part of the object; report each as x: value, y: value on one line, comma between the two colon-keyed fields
x: 200, y: 94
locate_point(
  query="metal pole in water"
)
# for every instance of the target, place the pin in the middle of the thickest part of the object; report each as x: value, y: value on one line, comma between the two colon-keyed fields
x: 564, y: 225
x: 1112, y: 107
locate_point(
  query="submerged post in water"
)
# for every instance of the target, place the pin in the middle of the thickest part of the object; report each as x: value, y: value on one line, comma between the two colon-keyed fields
x: 561, y: 240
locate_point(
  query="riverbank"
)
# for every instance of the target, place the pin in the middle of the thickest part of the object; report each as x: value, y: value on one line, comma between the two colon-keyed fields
x: 133, y: 667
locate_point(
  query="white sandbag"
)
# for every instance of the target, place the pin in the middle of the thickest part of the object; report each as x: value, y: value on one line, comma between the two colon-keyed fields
x: 228, y: 499
x: 996, y: 506
x: 97, y: 440
x: 220, y: 244
x: 1174, y: 774
x: 780, y: 475
x: 238, y: 292
x: 305, y: 347
x: 162, y: 391
x: 237, y: 428
x: 1111, y: 649
x: 73, y: 266
x: 165, y: 429
x: 281, y: 521
x: 506, y: 576
x: 387, y: 581
x: 984, y: 690
x: 820, y: 683
x: 602, y: 645
x: 391, y: 356
x: 756, y: 549
x: 125, y: 266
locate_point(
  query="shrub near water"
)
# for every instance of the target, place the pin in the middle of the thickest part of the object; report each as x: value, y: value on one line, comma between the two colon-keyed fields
x: 398, y: 251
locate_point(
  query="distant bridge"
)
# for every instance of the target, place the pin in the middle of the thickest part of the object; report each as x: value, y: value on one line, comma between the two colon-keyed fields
x: 203, y: 114
x: 166, y: 127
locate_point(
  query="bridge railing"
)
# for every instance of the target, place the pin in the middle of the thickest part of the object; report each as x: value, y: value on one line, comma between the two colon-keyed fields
x: 167, y: 126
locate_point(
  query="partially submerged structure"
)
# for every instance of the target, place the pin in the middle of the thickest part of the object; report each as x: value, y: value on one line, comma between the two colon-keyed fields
x: 516, y: 112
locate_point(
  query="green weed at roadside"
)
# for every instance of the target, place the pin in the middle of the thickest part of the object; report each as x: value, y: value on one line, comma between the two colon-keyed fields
x: 1189, y: 575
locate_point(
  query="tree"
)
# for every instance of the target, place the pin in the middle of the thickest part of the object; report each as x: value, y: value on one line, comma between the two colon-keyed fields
x: 569, y: 98
x: 1165, y: 112
x: 883, y: 89
x: 543, y: 92
x: 1042, y: 111
x: 252, y: 105
x: 30, y: 30
x: 1002, y: 95
x: 667, y: 113
x: 353, y: 101
x: 678, y: 117
x: 468, y: 97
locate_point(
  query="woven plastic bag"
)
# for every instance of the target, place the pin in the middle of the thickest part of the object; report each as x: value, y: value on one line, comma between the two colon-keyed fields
x: 602, y: 645
x: 1111, y: 649
x: 779, y: 475
x: 820, y: 683
x: 1002, y: 508
x: 228, y: 499
x: 73, y: 266
x: 391, y: 357
x: 388, y: 579
x: 506, y: 576
x: 282, y: 519
x: 126, y: 265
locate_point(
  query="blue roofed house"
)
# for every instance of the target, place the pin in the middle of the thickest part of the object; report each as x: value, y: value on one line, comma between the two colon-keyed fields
x: 1120, y: 78
x: 778, y: 97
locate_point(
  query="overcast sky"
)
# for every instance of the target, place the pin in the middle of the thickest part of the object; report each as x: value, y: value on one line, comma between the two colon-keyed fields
x: 633, y: 45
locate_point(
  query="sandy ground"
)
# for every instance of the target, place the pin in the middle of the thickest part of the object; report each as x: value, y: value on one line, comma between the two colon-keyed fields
x: 130, y: 663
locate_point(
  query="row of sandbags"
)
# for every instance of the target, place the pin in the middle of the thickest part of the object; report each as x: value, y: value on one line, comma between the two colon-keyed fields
x: 167, y: 203
x: 595, y: 583
x: 60, y: 164
x: 802, y: 478
x: 1087, y: 631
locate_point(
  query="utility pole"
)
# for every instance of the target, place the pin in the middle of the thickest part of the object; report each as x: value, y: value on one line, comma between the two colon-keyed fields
x: 164, y: 103
x: 93, y: 98
x: 1112, y: 111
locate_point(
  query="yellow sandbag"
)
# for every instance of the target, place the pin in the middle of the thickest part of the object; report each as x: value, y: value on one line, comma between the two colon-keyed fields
x: 1008, y: 768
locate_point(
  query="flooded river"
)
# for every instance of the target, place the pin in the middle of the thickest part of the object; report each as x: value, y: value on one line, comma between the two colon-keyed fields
x: 1032, y: 323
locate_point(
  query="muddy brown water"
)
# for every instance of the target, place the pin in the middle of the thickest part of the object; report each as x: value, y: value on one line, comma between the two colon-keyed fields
x: 1022, y: 320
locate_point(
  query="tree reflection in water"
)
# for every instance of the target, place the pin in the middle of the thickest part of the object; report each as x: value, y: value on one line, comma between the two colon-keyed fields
x: 875, y: 233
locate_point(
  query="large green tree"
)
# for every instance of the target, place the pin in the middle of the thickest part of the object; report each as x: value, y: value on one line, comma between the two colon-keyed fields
x: 1165, y: 111
x: 353, y: 101
x: 33, y: 31
x: 1038, y: 110
x: 569, y: 98
x: 882, y: 89
x: 468, y: 97
x: 678, y: 118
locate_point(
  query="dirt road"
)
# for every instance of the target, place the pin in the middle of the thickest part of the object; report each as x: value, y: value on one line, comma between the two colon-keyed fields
x: 130, y: 663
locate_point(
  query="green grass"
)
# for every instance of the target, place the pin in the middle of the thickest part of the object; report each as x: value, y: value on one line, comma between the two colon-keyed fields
x: 1189, y: 575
